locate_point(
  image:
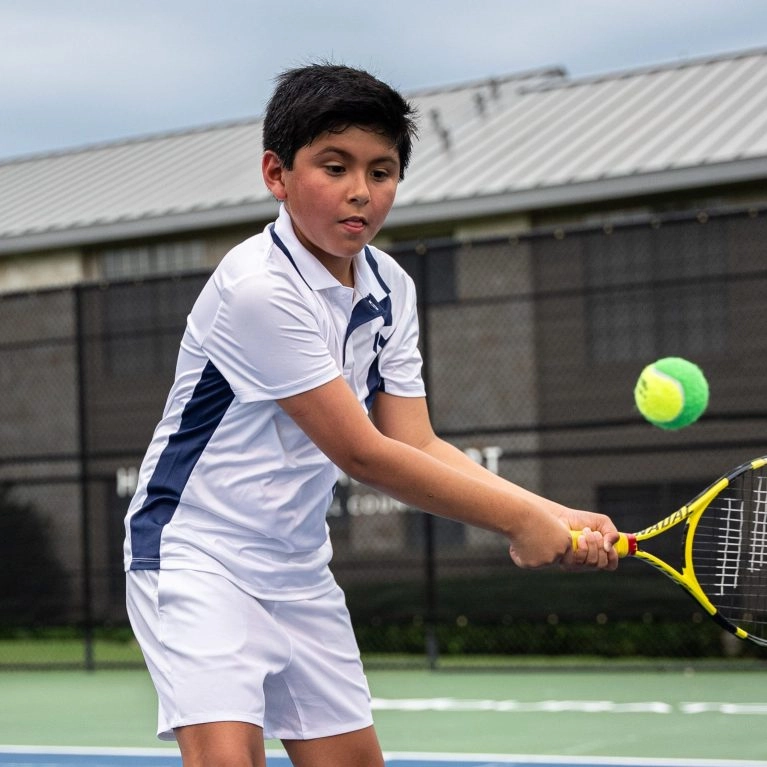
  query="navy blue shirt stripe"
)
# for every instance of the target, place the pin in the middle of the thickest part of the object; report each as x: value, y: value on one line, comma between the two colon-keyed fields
x: 202, y: 414
x: 374, y: 266
x: 281, y: 245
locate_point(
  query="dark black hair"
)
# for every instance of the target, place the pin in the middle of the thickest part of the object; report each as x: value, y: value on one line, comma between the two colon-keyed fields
x: 311, y: 100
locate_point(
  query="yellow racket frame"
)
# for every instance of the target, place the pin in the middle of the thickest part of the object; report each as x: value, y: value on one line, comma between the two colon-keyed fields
x: 628, y: 544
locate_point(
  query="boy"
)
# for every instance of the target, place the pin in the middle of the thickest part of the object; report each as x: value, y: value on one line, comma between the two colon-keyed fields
x: 300, y: 355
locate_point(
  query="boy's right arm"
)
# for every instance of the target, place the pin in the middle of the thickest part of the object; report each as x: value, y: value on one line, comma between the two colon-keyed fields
x: 333, y: 419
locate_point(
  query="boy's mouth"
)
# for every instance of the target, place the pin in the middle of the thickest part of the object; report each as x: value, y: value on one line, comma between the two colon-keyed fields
x: 355, y: 222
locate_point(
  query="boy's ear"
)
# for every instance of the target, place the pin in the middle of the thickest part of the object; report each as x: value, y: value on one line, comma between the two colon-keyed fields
x: 272, y: 170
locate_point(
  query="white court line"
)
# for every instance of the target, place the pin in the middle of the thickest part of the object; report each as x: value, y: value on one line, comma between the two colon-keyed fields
x: 559, y: 706
x: 90, y: 750
x: 564, y: 761
x: 428, y: 758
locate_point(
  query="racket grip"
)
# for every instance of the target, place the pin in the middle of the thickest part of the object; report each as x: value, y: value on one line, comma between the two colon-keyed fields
x: 622, y: 547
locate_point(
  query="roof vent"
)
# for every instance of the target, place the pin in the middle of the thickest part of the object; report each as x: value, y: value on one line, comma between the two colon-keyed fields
x: 442, y: 131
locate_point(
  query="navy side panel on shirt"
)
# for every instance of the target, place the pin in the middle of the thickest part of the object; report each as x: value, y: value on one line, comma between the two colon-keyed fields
x: 202, y: 414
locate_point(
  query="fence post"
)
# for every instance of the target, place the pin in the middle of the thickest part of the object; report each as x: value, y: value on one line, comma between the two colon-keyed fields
x: 82, y: 452
x: 430, y: 567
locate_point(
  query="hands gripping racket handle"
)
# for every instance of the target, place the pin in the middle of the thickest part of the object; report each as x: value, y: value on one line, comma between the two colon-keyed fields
x: 625, y: 546
x: 724, y: 557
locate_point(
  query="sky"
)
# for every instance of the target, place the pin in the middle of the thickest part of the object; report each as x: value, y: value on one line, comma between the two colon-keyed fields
x: 80, y: 72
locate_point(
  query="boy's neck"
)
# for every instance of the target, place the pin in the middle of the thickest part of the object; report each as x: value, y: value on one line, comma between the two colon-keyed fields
x: 341, y: 268
x: 348, y: 280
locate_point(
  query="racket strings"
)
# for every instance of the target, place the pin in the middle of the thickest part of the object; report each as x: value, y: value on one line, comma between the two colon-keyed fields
x: 729, y: 552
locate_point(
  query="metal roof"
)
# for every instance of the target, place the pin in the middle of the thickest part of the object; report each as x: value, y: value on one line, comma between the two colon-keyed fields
x: 515, y: 143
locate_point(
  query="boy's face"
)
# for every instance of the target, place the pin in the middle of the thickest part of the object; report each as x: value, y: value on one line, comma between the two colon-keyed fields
x: 338, y: 193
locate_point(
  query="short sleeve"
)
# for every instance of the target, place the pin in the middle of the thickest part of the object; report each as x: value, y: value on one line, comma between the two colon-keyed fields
x: 267, y: 342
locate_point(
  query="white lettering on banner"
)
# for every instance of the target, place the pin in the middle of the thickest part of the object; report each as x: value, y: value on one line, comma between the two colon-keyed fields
x: 367, y: 504
x: 485, y: 456
x: 126, y: 481
x: 558, y: 706
x: 351, y: 497
x: 357, y: 500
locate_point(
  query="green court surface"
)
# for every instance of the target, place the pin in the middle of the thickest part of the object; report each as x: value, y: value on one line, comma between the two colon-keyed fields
x: 650, y: 714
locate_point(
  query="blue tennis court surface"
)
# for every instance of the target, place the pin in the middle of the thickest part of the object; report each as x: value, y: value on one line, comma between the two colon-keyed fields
x: 20, y: 756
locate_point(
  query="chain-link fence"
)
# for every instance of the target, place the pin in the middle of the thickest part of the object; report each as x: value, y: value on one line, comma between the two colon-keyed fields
x: 532, y: 345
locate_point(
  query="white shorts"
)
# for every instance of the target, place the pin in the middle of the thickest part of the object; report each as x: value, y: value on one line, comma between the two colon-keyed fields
x: 217, y: 654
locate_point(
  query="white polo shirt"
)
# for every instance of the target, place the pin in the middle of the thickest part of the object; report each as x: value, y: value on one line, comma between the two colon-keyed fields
x: 229, y: 483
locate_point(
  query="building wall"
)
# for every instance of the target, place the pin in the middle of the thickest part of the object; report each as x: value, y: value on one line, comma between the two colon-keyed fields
x: 513, y: 380
x: 35, y: 271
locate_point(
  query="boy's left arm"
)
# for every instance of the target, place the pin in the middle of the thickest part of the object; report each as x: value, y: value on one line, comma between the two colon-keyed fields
x: 407, y: 420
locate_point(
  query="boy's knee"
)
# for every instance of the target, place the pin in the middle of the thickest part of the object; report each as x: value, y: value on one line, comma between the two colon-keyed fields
x: 221, y: 744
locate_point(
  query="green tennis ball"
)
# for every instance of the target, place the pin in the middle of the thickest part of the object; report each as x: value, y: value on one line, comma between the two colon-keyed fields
x: 671, y: 393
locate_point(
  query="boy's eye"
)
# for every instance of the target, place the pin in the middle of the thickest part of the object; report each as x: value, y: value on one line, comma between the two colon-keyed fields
x: 334, y: 168
x: 380, y: 174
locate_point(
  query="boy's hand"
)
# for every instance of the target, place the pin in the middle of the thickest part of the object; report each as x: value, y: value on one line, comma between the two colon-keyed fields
x: 549, y: 542
x: 542, y: 542
x: 595, y: 549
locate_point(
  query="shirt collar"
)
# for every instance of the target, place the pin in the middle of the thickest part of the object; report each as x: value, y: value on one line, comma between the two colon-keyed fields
x: 315, y: 275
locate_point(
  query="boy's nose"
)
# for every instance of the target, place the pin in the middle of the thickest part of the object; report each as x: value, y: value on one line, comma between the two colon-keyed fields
x: 358, y: 190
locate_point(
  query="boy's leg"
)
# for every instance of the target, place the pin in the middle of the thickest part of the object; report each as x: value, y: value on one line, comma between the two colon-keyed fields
x: 221, y: 744
x: 209, y: 648
x: 321, y: 698
x: 352, y: 749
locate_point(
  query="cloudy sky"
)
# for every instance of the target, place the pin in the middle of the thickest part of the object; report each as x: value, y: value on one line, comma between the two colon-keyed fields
x: 77, y: 72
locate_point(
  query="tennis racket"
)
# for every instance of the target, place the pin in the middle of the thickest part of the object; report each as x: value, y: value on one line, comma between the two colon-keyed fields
x: 724, y: 549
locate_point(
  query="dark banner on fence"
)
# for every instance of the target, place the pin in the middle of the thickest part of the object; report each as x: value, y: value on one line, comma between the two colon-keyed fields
x: 532, y: 345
